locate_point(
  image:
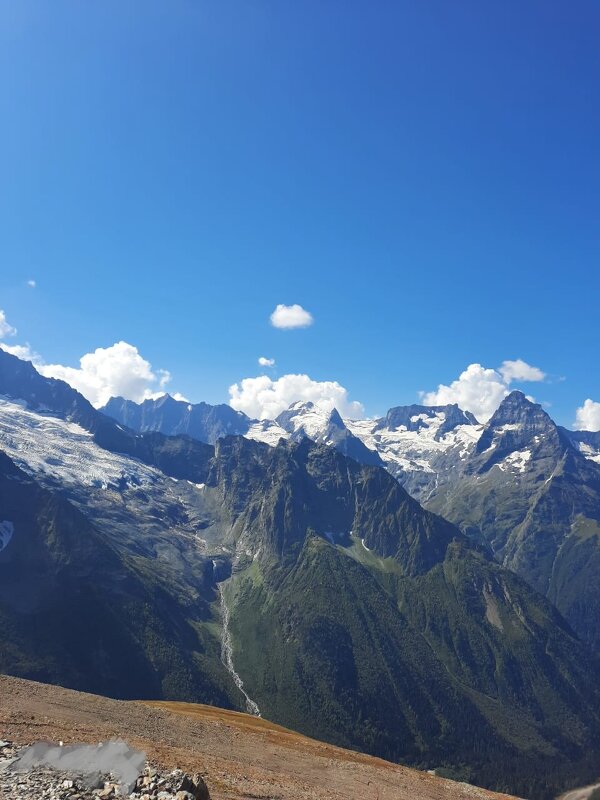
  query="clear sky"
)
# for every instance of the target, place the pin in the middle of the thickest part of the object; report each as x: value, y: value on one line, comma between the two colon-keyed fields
x: 422, y: 177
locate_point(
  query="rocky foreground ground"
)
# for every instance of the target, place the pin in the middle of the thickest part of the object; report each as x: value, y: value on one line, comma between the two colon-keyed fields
x: 48, y: 783
x: 237, y: 756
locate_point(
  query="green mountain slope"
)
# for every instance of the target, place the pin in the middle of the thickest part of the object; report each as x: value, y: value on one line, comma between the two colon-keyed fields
x: 377, y: 625
x: 535, y: 501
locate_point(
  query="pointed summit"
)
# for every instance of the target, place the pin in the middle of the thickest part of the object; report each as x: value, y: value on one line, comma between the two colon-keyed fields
x: 518, y: 423
x: 335, y: 419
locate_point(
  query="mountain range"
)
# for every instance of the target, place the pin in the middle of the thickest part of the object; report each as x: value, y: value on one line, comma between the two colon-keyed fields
x: 190, y: 553
x: 521, y: 485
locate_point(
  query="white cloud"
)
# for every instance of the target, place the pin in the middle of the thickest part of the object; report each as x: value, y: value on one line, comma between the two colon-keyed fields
x: 5, y: 328
x: 266, y: 362
x: 113, y: 371
x: 291, y: 317
x: 481, y: 390
x: 22, y: 351
x: 477, y: 390
x: 264, y: 398
x: 520, y: 370
x: 31, y: 283
x: 587, y: 416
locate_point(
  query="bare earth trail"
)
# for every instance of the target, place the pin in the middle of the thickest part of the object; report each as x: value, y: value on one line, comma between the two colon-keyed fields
x: 580, y: 794
x: 241, y: 756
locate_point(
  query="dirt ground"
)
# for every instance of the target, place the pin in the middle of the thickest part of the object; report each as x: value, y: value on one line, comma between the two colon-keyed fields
x: 239, y: 756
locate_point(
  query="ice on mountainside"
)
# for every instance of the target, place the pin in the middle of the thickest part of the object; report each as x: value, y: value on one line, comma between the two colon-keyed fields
x: 43, y: 444
x: 266, y: 431
x: 7, y: 530
x: 405, y: 450
x: 588, y: 451
x: 308, y: 418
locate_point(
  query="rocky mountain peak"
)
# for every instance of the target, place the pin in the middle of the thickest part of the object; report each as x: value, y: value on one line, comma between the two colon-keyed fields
x: 336, y: 419
x: 519, y: 425
x: 417, y: 417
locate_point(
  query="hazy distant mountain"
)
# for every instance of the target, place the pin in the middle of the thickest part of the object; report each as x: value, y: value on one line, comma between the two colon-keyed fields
x: 169, y: 416
x: 587, y: 442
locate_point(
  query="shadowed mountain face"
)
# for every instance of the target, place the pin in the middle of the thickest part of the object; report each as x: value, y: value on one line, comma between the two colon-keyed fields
x: 355, y: 615
x: 530, y: 495
x: 77, y: 610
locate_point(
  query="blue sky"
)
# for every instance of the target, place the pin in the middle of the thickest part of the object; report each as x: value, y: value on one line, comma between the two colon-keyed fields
x: 421, y: 177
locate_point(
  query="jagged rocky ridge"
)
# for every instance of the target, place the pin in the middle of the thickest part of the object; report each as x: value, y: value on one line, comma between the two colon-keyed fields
x: 534, y: 499
x: 356, y: 616
x: 521, y: 484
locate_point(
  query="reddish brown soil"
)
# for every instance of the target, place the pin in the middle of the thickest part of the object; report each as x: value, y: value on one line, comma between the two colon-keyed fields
x: 240, y: 756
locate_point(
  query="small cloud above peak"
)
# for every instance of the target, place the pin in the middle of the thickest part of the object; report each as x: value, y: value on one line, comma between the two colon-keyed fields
x: 31, y: 283
x: 520, y: 370
x: 288, y: 317
x: 266, y: 362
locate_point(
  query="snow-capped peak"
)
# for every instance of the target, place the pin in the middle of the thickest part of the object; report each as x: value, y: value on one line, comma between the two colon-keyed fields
x: 307, y: 419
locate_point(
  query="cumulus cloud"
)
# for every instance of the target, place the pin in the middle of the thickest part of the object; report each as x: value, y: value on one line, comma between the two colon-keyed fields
x: 587, y: 416
x: 22, y: 351
x: 266, y: 362
x: 5, y: 328
x: 520, y: 370
x: 477, y: 390
x: 481, y: 390
x: 113, y: 371
x: 291, y: 317
x: 31, y: 283
x: 264, y: 398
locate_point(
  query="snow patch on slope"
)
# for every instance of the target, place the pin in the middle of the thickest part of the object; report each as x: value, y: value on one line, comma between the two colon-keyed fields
x: 308, y: 418
x: 516, y: 461
x: 6, y: 533
x: 407, y: 451
x: 47, y: 445
x: 266, y: 431
x: 588, y: 451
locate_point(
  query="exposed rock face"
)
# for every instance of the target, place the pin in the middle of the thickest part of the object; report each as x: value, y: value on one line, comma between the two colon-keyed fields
x: 534, y: 499
x: 586, y: 442
x: 325, y: 427
x: 517, y: 424
x: 413, y: 418
x: 31, y: 779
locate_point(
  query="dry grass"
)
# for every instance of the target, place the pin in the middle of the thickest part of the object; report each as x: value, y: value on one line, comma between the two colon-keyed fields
x: 242, y: 757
